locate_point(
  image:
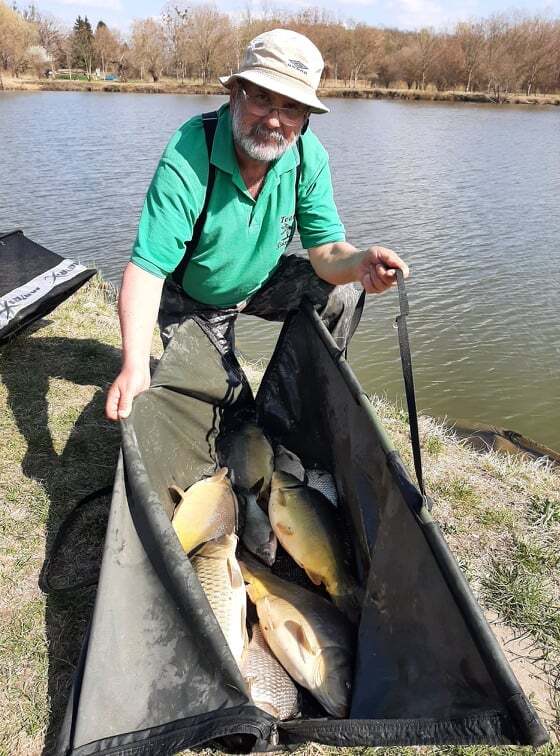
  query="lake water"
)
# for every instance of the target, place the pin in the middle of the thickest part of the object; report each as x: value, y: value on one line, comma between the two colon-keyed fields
x: 469, y: 195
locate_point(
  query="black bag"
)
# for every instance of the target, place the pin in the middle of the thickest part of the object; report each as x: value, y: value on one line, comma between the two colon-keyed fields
x: 33, y: 281
x: 156, y: 675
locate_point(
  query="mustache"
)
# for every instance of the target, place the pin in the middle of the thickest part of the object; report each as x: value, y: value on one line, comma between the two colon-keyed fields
x: 261, y: 131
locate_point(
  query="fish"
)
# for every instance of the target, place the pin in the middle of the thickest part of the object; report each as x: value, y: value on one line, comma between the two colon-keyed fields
x: 306, y: 526
x: 206, y: 510
x: 248, y: 454
x: 288, y: 462
x: 269, y: 685
x: 323, y: 482
x: 258, y: 535
x: 311, y: 639
x: 220, y: 576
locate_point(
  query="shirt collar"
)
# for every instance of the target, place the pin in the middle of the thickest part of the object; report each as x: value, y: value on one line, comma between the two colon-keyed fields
x: 223, y: 151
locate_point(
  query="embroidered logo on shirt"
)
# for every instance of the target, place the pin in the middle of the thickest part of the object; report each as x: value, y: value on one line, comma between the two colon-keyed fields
x: 286, y: 223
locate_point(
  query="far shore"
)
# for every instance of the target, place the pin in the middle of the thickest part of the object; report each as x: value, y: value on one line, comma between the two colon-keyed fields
x: 332, y: 89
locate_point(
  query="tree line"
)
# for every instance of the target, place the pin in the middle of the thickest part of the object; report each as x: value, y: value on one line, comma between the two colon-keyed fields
x: 499, y: 55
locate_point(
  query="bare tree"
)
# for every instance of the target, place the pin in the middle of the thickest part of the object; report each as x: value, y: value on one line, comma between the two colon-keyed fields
x: 536, y: 43
x: 447, y: 68
x: 428, y: 49
x: 175, y: 21
x: 210, y: 34
x: 387, y: 72
x: 16, y: 36
x: 49, y: 35
x: 471, y: 41
x: 405, y: 65
x: 148, y: 48
x: 362, y: 51
x: 107, y: 46
x: 332, y: 47
x: 500, y: 63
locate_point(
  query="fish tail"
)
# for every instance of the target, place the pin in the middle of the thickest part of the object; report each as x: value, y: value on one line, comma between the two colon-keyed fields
x: 256, y: 588
x: 349, y: 600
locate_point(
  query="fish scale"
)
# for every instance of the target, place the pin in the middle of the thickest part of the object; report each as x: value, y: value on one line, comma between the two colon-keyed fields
x: 220, y: 576
x: 310, y: 638
x: 270, y: 686
x: 305, y: 523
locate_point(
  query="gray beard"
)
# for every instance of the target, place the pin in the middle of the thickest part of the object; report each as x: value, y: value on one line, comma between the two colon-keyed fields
x: 264, y: 153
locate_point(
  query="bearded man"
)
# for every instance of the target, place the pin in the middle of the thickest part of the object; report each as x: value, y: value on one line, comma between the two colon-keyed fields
x: 222, y: 207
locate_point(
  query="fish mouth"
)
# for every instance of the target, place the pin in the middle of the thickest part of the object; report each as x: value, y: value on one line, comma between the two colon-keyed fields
x: 333, y: 682
x: 268, y: 556
x: 285, y: 480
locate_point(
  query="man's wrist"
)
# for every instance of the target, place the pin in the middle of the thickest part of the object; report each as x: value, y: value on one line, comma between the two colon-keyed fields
x: 134, y: 363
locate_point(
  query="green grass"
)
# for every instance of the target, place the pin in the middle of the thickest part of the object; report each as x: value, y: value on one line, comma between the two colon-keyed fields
x: 543, y: 511
x: 521, y: 594
x: 459, y: 491
x: 433, y: 444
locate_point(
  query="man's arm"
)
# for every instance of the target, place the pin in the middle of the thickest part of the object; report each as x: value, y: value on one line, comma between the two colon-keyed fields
x: 139, y: 300
x: 341, y: 263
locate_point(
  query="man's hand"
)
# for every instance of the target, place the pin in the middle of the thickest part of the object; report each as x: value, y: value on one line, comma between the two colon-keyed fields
x: 341, y: 263
x: 376, y: 269
x: 128, y: 384
x: 139, y: 299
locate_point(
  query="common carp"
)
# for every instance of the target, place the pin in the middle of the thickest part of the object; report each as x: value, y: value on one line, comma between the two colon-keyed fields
x: 307, y: 634
x: 323, y: 482
x: 258, y: 535
x: 306, y: 526
x: 247, y: 453
x: 269, y: 684
x: 288, y: 462
x: 206, y: 510
x: 220, y: 576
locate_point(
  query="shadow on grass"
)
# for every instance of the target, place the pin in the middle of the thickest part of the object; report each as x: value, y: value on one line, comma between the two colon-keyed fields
x: 86, y: 463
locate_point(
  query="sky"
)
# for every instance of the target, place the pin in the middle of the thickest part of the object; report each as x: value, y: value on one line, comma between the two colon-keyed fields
x: 402, y: 14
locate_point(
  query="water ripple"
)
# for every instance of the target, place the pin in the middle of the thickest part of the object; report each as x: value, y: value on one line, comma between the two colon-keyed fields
x: 468, y: 194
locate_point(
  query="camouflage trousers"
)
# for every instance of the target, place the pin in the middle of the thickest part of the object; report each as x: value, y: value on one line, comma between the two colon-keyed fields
x: 340, y: 307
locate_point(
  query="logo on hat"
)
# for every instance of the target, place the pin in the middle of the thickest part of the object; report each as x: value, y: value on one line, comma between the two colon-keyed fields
x: 298, y: 65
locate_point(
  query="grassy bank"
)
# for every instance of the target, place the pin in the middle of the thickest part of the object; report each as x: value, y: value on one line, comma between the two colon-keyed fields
x: 171, y: 86
x: 501, y: 517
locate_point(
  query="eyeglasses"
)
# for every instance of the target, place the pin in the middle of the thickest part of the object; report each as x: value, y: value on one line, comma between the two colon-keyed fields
x: 259, y: 104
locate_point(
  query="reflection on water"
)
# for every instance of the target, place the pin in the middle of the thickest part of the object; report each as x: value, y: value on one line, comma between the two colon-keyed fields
x: 469, y: 195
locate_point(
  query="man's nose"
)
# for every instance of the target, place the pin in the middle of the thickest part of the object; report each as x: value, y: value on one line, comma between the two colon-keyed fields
x: 273, y: 119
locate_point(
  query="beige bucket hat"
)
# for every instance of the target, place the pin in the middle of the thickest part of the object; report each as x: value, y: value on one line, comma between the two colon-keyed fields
x: 284, y: 62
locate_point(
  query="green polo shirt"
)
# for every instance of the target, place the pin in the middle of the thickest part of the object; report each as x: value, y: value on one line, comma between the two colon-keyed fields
x: 243, y: 239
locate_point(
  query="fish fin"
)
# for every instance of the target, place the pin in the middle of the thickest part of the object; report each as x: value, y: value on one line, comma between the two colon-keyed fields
x: 314, y: 577
x: 265, y: 614
x: 249, y: 683
x: 176, y: 494
x: 220, y: 474
x: 235, y: 512
x: 256, y: 489
x: 244, y: 634
x: 235, y: 576
x: 284, y: 529
x: 304, y: 642
x: 267, y: 552
x: 349, y: 603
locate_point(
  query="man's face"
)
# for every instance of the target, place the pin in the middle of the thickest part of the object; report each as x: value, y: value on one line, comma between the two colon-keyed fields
x: 261, y: 133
